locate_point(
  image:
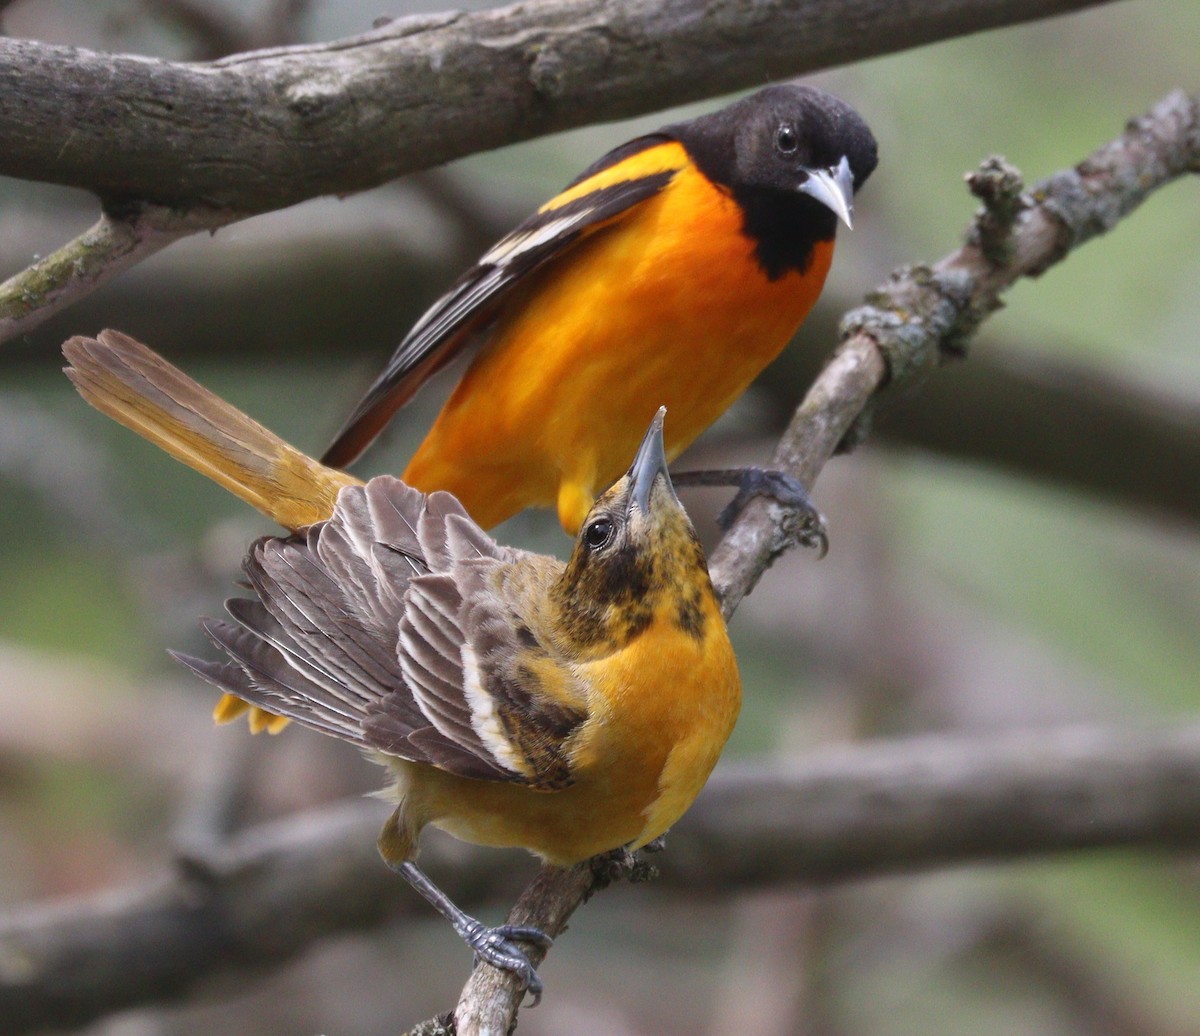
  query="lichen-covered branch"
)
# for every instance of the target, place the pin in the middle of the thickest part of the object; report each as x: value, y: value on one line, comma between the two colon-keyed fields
x: 97, y: 255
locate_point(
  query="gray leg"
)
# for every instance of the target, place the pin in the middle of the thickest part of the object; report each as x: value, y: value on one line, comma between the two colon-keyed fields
x: 497, y: 946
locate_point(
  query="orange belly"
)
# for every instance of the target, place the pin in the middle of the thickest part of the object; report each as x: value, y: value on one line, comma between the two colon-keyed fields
x: 644, y: 313
x: 660, y: 712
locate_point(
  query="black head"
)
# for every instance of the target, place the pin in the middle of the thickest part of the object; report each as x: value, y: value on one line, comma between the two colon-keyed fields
x: 793, y: 156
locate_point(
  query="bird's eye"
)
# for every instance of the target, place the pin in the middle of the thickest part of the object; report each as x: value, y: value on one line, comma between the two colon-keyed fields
x: 598, y: 533
x: 787, y: 140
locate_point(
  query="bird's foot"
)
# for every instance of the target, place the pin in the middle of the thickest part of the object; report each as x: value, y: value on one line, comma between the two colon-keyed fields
x: 498, y: 947
x: 778, y: 485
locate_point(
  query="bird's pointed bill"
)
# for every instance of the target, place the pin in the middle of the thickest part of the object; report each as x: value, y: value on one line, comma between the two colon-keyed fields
x: 833, y: 188
x: 650, y: 462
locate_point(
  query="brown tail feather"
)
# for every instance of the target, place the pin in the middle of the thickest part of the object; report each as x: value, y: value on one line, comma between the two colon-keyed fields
x: 134, y: 385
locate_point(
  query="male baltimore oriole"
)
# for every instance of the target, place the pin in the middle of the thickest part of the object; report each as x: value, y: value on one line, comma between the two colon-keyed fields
x: 517, y: 700
x: 672, y: 271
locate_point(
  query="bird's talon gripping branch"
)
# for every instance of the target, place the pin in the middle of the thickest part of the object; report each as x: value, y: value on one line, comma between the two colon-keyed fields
x: 778, y: 485
x: 498, y: 947
x: 524, y: 933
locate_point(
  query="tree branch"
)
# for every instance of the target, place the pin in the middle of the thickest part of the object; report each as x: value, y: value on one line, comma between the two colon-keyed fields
x: 115, y: 243
x: 922, y: 315
x: 267, y: 129
x: 839, y: 815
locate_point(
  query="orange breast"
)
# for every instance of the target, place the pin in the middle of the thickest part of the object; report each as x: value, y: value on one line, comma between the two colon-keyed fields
x: 666, y: 306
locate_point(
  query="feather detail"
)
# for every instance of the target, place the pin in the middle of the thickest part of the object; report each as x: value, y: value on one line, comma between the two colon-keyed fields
x: 390, y: 626
x: 472, y: 301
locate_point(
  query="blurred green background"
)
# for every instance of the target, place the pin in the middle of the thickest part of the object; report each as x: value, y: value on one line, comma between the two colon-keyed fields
x: 956, y: 596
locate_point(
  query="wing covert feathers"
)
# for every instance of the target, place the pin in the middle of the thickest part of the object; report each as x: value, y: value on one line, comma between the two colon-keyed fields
x: 479, y: 294
x: 386, y: 626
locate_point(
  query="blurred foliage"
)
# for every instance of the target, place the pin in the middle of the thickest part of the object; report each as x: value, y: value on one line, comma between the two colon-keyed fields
x: 1103, y: 608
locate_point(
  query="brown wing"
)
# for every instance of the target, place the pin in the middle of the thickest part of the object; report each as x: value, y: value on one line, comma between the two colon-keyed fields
x: 384, y: 626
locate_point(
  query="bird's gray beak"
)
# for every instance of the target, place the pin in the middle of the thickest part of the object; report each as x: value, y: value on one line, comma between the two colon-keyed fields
x: 833, y: 188
x: 650, y: 462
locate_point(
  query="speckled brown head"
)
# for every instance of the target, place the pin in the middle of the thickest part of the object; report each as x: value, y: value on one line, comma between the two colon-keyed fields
x: 636, y: 555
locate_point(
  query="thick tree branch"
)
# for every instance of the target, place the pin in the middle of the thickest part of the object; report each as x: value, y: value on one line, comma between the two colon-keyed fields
x: 921, y: 316
x: 264, y: 130
x: 839, y: 815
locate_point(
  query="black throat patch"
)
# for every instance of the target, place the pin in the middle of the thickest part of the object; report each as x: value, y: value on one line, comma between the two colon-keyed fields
x: 785, y: 228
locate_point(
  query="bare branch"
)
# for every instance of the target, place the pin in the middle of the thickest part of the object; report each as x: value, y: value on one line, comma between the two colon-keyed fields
x: 267, y: 129
x: 920, y: 316
x: 839, y: 815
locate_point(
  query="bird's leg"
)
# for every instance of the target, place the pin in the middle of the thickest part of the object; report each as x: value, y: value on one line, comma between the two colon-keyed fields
x: 497, y: 946
x: 754, y: 481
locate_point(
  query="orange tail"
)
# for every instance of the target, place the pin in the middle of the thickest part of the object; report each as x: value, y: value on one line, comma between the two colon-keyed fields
x: 138, y: 388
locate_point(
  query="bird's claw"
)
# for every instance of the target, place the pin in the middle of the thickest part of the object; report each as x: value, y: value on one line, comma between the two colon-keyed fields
x: 525, y: 933
x: 498, y: 947
x: 786, y: 490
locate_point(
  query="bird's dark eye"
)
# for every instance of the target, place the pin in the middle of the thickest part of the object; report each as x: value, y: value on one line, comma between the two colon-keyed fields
x: 787, y: 140
x: 598, y: 533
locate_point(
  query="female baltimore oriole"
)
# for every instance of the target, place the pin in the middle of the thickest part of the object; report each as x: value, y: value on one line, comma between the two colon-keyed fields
x: 517, y: 700
x: 672, y: 271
